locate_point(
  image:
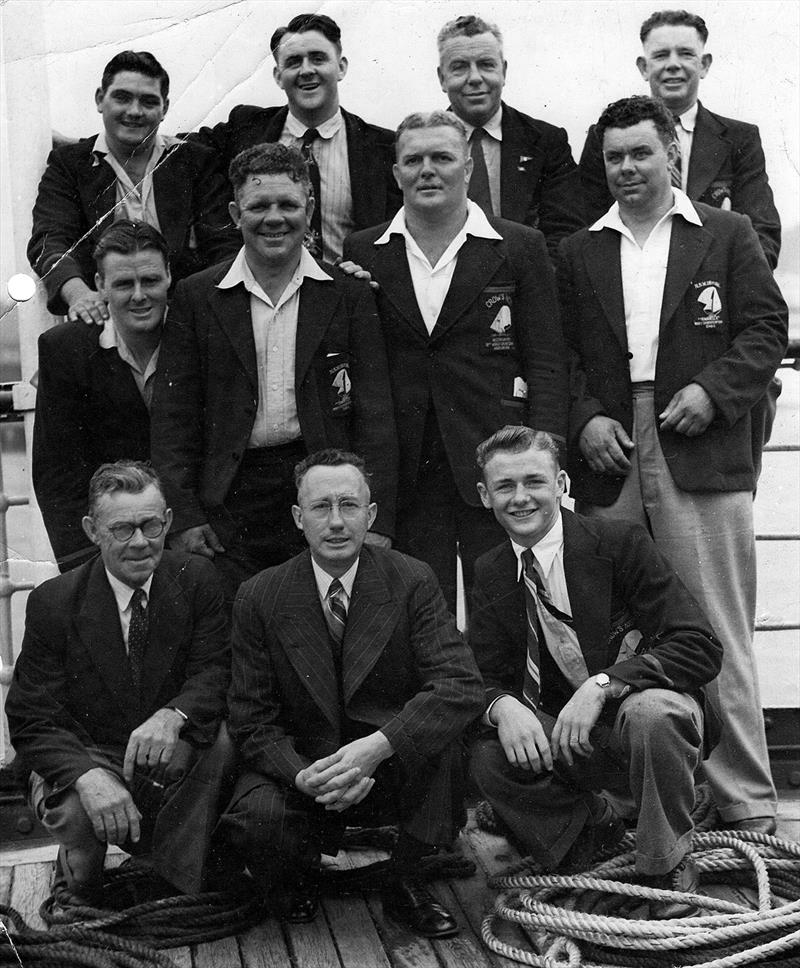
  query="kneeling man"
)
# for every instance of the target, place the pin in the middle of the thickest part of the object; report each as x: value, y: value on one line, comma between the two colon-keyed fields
x: 594, y: 657
x: 119, y: 691
x: 351, y: 687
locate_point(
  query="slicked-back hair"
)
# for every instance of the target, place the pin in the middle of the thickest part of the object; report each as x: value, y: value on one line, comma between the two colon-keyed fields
x: 516, y: 439
x: 269, y: 159
x: 304, y: 22
x: 128, y: 236
x: 123, y: 476
x: 631, y: 110
x: 432, y: 119
x: 138, y: 61
x: 673, y: 18
x: 468, y: 26
x: 329, y: 457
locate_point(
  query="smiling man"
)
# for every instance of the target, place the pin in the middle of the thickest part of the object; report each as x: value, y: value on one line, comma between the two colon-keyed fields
x: 469, y: 315
x: 266, y: 358
x: 523, y: 168
x: 675, y: 327
x: 350, y: 161
x: 95, y: 384
x: 131, y: 171
x: 351, y: 688
x: 594, y: 658
x: 721, y: 160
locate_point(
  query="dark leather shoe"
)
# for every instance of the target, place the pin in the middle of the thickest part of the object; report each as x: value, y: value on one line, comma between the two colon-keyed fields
x: 598, y: 834
x: 299, y: 902
x: 754, y: 825
x: 409, y: 903
x: 683, y: 877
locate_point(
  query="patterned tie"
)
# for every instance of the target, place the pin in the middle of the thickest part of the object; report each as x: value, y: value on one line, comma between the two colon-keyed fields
x: 336, y: 612
x: 675, y: 170
x: 478, y: 188
x: 315, y: 244
x: 532, y: 681
x: 137, y: 639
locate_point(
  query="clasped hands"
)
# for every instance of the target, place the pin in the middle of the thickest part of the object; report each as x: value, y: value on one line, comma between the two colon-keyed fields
x: 344, y: 778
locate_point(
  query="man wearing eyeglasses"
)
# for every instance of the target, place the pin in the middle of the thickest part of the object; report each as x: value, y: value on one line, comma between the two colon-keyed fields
x: 119, y: 692
x: 351, y: 687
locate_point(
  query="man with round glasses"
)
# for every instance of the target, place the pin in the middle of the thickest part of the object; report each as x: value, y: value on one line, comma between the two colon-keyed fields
x: 119, y: 692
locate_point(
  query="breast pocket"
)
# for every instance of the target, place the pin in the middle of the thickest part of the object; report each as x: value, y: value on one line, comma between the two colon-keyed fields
x: 336, y: 381
x: 497, y: 329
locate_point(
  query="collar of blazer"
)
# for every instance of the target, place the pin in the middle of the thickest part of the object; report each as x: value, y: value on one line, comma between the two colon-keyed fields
x: 520, y: 159
x: 710, y: 148
x: 301, y: 631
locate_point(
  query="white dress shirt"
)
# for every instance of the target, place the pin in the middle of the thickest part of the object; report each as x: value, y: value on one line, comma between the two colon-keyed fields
x: 644, y: 270
x: 274, y: 333
x: 134, y: 200
x: 124, y: 597
x: 431, y: 283
x: 110, y: 338
x: 492, y: 153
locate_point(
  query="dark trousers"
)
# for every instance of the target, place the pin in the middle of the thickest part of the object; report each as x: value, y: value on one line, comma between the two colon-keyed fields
x: 255, y: 525
x: 279, y: 832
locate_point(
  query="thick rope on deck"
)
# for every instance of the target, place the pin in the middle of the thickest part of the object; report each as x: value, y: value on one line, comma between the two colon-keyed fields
x: 599, y: 919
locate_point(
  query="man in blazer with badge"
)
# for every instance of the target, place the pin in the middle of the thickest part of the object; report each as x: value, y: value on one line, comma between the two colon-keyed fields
x: 119, y: 692
x: 264, y: 359
x: 594, y: 656
x: 351, y: 687
x: 469, y: 314
x: 523, y: 169
x: 722, y: 161
x: 675, y: 327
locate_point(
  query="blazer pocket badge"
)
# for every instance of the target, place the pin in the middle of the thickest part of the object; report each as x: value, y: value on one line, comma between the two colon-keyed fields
x: 500, y: 335
x: 522, y: 164
x: 710, y: 304
x: 339, y: 385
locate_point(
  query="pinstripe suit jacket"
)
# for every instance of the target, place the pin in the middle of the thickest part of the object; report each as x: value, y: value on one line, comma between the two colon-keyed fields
x: 406, y: 669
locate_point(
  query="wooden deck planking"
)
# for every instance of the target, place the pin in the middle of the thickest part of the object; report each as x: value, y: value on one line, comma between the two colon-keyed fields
x: 31, y: 885
x: 264, y: 946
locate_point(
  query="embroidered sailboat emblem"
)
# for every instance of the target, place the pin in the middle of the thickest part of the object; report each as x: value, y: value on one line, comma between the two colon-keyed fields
x: 342, y: 382
x: 502, y: 320
x: 710, y: 301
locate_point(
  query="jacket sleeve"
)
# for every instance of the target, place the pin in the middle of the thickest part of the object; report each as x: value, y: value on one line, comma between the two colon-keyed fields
x: 597, y: 199
x: 217, y: 237
x: 751, y: 194
x: 561, y: 210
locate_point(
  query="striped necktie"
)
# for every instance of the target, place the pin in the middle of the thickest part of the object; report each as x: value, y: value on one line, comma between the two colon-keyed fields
x: 315, y: 246
x: 532, y: 680
x: 336, y: 612
x: 675, y: 167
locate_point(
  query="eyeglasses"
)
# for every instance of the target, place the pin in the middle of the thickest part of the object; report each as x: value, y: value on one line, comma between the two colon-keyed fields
x: 322, y: 509
x: 151, y: 528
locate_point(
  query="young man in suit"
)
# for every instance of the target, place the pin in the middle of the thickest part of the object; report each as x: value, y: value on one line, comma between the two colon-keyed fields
x: 95, y: 384
x: 119, y: 691
x: 523, y: 168
x: 131, y: 171
x: 265, y: 359
x: 350, y: 160
x: 470, y: 318
x: 594, y: 656
x: 721, y: 160
x: 675, y: 327
x: 351, y: 688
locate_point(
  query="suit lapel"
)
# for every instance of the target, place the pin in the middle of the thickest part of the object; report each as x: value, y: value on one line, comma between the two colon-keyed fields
x: 318, y: 303
x: 687, y: 248
x: 115, y: 382
x: 477, y: 262
x: 516, y: 185
x: 170, y: 184
x: 365, y: 192
x: 589, y: 583
x: 710, y: 148
x: 391, y: 270
x: 168, y: 611
x: 603, y: 266
x: 273, y: 129
x: 371, y: 619
x: 232, y: 310
x: 100, y: 192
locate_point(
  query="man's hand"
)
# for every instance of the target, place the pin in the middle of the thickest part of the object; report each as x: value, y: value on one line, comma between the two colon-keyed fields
x: 575, y: 722
x: 84, y: 303
x: 521, y: 735
x: 200, y: 540
x: 689, y: 412
x: 605, y: 445
x: 153, y: 742
x: 353, y: 269
x: 378, y: 540
x: 109, y: 806
x: 345, y: 777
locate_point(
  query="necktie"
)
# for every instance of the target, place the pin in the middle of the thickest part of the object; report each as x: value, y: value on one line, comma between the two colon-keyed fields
x: 478, y: 189
x: 315, y: 245
x: 675, y: 168
x: 532, y: 682
x: 137, y: 638
x: 336, y: 612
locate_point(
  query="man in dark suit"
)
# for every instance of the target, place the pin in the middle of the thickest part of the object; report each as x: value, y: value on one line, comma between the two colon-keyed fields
x: 594, y: 656
x: 722, y: 161
x: 129, y: 170
x: 350, y: 160
x: 523, y: 168
x: 675, y: 327
x: 351, y: 687
x: 95, y: 385
x: 266, y: 358
x: 470, y: 317
x: 119, y: 691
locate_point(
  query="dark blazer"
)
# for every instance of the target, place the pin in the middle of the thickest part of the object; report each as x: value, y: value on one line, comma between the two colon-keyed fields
x: 206, y: 391
x: 76, y: 201
x: 539, y: 181
x: 88, y: 411
x: 72, y: 687
x: 727, y: 161
x: 732, y: 353
x: 406, y: 669
x: 611, y: 569
x: 370, y: 155
x: 464, y: 369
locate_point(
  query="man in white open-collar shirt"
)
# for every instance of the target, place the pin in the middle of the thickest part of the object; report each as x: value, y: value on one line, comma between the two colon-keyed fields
x: 469, y: 315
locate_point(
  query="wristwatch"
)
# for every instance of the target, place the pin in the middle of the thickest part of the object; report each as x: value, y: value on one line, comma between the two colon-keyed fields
x: 602, y: 680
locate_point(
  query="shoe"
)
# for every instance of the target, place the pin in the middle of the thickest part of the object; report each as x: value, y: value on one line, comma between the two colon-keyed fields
x: 683, y: 877
x: 753, y: 825
x: 599, y: 833
x: 409, y: 903
x: 299, y: 901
